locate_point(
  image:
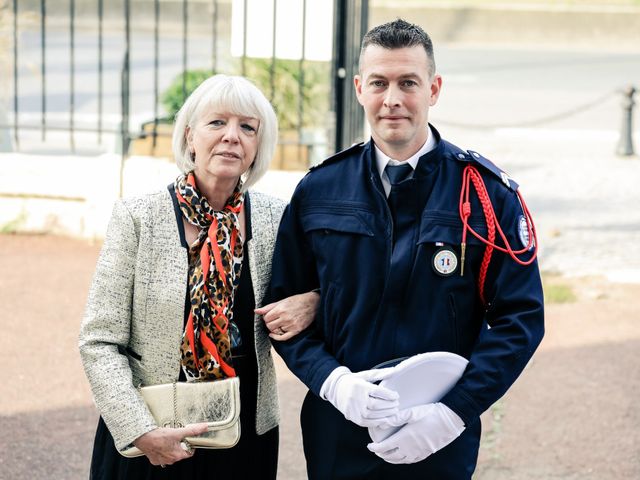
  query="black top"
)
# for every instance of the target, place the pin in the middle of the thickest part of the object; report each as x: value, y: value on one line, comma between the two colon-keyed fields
x: 244, y: 301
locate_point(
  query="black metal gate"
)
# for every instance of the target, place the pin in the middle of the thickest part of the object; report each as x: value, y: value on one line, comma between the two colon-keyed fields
x: 96, y: 75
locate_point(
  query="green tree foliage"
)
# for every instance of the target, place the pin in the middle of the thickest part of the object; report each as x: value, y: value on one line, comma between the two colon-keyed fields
x: 173, y: 97
x: 290, y: 83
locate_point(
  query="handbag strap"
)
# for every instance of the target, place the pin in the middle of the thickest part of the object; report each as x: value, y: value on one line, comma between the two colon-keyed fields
x: 175, y: 422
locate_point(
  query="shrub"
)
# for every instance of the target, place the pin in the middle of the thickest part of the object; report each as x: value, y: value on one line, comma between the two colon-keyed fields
x: 173, y: 97
x: 285, y: 91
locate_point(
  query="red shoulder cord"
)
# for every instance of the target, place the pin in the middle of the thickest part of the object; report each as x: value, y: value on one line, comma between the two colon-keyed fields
x: 471, y: 175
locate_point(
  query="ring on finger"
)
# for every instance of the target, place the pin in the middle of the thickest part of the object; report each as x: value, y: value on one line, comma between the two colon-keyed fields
x: 281, y: 331
x: 186, y: 447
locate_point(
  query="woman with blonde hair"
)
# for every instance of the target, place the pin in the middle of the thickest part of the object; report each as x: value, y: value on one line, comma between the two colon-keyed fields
x: 173, y: 297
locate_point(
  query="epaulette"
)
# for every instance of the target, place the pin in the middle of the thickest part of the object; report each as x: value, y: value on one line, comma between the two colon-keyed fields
x: 470, y: 155
x: 338, y: 156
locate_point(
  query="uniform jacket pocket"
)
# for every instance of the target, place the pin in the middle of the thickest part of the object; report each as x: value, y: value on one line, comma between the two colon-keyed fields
x: 446, y: 227
x: 346, y: 221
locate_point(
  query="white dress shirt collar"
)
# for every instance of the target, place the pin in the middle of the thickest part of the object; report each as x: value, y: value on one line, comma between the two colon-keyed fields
x: 382, y: 160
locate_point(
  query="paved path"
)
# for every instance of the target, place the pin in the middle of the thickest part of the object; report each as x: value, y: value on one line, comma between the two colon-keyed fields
x: 583, y: 197
x: 572, y: 415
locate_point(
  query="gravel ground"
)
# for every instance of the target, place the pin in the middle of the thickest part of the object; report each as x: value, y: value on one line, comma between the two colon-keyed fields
x: 583, y: 197
x: 572, y: 414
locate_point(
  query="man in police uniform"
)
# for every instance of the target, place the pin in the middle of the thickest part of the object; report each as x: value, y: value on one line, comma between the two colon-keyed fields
x: 385, y: 230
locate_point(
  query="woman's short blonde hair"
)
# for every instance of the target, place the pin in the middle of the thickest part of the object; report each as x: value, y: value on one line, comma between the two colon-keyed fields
x: 235, y: 95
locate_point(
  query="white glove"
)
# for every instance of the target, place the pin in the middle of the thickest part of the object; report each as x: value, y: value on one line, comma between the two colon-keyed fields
x: 429, y: 428
x: 360, y: 400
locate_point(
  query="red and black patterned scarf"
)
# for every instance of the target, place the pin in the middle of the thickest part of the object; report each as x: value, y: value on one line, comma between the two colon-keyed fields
x: 215, y: 263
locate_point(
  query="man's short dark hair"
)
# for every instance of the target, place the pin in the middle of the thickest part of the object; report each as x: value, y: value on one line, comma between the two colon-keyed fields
x: 399, y: 34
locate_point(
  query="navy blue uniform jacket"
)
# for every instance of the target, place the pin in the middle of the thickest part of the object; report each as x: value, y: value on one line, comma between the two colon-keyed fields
x: 336, y: 234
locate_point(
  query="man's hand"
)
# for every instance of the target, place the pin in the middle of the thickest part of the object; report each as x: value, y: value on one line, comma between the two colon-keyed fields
x: 428, y: 429
x: 288, y: 317
x: 360, y: 400
x: 165, y: 446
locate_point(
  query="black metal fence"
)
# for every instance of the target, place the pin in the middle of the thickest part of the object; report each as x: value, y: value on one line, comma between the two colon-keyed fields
x: 99, y: 73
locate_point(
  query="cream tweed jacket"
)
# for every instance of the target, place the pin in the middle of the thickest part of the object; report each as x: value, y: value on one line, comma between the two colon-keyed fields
x: 133, y: 323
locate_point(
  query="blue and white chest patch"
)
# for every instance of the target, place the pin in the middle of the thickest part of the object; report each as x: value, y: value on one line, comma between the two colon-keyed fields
x: 523, y: 232
x: 445, y: 261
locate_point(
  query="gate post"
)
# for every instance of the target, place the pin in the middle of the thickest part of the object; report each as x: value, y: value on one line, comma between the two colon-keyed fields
x: 125, y: 91
x: 350, y: 23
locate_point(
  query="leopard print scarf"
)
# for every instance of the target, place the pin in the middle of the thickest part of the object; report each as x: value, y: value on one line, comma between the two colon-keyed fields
x: 215, y: 262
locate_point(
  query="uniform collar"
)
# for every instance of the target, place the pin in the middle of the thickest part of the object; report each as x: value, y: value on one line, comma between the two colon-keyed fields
x: 382, y: 160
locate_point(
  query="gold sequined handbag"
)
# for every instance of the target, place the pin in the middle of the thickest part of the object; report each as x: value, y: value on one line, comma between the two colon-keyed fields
x: 183, y: 403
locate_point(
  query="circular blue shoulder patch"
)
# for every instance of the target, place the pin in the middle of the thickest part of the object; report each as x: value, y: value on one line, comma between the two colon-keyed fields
x: 523, y: 232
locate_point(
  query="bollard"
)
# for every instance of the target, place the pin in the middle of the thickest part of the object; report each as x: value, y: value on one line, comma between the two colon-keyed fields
x: 625, y: 144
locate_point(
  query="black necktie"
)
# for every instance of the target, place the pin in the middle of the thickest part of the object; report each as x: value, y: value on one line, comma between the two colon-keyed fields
x: 401, y: 206
x: 398, y: 173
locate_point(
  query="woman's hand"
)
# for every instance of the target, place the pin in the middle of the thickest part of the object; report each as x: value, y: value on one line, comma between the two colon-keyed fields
x: 288, y: 317
x: 166, y: 446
